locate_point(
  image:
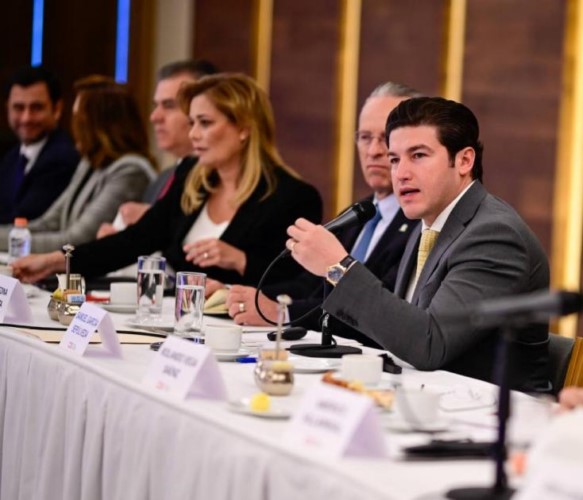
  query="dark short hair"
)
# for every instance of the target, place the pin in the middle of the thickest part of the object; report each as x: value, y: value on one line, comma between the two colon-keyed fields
x: 457, y: 127
x: 195, y: 67
x: 29, y: 75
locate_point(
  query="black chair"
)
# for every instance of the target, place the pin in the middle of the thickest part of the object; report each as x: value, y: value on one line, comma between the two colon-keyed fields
x: 560, y: 349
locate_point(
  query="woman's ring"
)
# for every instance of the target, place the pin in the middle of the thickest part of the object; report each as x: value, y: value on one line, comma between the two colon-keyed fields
x: 205, y: 255
x: 241, y: 307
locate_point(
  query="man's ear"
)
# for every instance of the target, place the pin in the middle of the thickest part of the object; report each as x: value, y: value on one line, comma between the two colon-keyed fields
x: 464, y: 160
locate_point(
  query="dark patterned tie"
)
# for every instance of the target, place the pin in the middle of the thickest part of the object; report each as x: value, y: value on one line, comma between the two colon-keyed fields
x: 18, y: 178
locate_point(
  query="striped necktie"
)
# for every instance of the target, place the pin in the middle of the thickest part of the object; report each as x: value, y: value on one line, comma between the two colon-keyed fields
x: 428, y: 239
x: 359, y: 252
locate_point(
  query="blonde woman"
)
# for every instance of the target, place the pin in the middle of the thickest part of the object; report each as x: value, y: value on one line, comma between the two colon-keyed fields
x: 228, y: 215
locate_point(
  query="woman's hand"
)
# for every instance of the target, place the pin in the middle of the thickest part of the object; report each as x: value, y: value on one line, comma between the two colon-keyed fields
x: 35, y: 267
x: 214, y: 252
x: 571, y: 397
x: 241, y: 306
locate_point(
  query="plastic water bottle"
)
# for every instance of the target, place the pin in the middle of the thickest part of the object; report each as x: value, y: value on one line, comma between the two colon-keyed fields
x: 18, y: 240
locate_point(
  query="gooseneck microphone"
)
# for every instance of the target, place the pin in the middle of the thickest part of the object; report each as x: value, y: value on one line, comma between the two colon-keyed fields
x: 536, y: 306
x: 359, y: 213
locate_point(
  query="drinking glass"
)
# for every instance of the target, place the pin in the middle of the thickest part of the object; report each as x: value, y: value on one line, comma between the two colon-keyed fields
x: 529, y: 416
x: 150, y: 288
x: 189, y: 305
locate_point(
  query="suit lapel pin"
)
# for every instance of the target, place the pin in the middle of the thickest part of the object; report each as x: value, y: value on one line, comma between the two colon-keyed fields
x: 403, y: 228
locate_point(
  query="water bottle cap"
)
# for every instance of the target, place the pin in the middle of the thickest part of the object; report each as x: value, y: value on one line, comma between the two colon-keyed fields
x: 21, y: 222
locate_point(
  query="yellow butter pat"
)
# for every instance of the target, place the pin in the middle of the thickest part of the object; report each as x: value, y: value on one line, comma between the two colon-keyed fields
x: 260, y: 402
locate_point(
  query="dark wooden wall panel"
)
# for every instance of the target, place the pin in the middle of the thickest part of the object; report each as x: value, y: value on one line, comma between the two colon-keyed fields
x: 223, y: 33
x: 393, y: 47
x: 79, y: 40
x: 304, y: 89
x: 15, y: 40
x: 512, y: 81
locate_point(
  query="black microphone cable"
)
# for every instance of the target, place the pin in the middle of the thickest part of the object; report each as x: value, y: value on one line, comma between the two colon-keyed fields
x: 258, y: 291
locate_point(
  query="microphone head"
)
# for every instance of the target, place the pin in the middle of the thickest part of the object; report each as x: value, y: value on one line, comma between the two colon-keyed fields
x: 365, y: 210
x: 571, y: 302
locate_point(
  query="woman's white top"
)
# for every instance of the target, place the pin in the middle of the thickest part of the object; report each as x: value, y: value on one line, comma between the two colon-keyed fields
x: 204, y: 227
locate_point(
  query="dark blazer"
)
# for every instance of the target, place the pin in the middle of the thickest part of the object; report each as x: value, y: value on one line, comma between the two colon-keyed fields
x: 42, y: 185
x: 485, y: 250
x: 258, y: 229
x: 308, y: 290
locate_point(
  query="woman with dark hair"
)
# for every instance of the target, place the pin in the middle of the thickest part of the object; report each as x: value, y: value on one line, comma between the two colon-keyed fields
x: 228, y: 215
x: 115, y: 166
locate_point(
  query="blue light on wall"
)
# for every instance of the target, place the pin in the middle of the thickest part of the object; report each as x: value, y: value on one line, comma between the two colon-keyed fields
x: 36, y: 53
x: 122, y: 41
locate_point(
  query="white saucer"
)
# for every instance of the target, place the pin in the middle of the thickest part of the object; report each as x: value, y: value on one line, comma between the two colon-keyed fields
x: 164, y: 324
x: 119, y: 308
x: 397, y: 424
x: 313, y: 365
x: 231, y: 355
x: 242, y: 406
x: 30, y: 291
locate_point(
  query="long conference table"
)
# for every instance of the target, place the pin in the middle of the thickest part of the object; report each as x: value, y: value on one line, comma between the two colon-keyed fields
x: 86, y: 428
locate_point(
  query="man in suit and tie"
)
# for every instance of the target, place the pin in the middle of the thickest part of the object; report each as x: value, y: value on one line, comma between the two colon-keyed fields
x: 379, y: 244
x: 171, y: 127
x: 471, y: 246
x: 36, y: 171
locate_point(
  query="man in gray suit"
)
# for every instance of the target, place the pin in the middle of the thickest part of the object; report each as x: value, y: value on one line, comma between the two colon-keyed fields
x: 471, y: 246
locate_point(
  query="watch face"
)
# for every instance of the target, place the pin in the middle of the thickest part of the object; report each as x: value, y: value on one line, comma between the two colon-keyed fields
x: 335, y: 273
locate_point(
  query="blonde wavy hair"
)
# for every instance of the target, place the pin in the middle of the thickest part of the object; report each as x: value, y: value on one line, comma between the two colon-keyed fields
x: 245, y: 105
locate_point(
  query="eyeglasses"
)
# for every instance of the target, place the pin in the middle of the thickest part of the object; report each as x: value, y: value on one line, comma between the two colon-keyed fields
x: 365, y: 139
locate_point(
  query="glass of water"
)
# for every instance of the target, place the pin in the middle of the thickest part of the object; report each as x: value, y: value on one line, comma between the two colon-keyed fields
x: 189, y: 305
x: 150, y: 288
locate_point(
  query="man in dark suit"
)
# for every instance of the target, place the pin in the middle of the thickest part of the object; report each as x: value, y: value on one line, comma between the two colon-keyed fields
x: 380, y: 246
x: 35, y: 172
x: 473, y: 247
x: 171, y: 127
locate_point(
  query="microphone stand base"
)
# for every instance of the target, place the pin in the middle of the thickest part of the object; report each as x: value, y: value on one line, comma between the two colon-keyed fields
x: 484, y: 493
x: 323, y: 351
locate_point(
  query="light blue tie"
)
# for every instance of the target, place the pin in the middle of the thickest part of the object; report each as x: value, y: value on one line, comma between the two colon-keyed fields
x: 359, y: 252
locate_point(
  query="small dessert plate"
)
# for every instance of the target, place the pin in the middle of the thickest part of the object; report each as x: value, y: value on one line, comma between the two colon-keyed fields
x: 231, y: 355
x: 313, y: 365
x: 243, y: 406
x: 164, y: 324
x: 119, y: 308
x: 397, y: 424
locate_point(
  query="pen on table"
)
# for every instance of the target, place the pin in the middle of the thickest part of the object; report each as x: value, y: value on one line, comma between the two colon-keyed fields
x: 246, y: 359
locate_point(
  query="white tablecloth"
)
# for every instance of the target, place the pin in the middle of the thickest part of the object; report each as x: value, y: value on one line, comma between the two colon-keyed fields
x: 85, y: 428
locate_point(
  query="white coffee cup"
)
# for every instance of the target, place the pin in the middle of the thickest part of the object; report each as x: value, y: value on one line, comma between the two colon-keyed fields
x: 417, y: 406
x: 365, y: 368
x: 223, y: 338
x: 123, y: 293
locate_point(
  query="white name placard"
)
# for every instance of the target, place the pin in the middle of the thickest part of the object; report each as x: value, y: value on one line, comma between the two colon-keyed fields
x: 336, y: 422
x: 86, y: 322
x: 14, y: 306
x: 185, y: 369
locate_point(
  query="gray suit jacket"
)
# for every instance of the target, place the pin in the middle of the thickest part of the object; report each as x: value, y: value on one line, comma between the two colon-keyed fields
x: 485, y: 250
x: 92, y: 197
